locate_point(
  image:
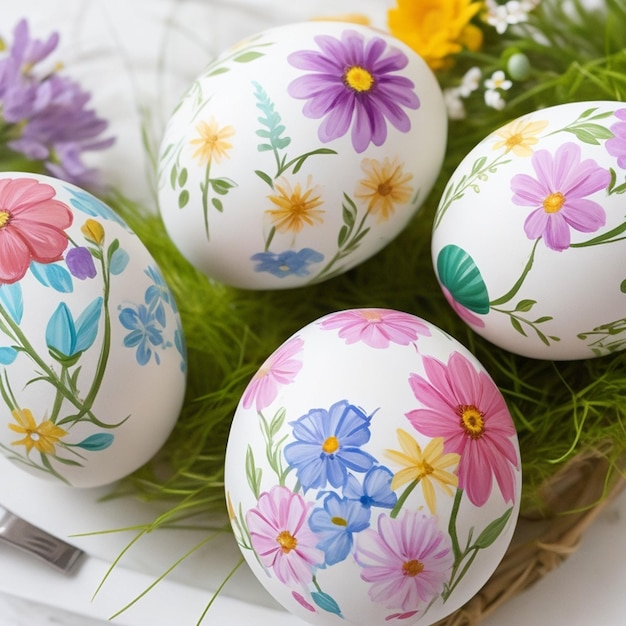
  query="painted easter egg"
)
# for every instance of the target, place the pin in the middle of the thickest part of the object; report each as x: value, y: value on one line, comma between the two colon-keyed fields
x: 299, y: 153
x: 528, y: 240
x: 92, y: 354
x: 372, y: 471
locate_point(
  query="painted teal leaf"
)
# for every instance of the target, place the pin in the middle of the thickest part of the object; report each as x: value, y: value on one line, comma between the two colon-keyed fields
x: 97, y: 442
x: 326, y: 602
x: 52, y: 275
x: 461, y: 277
x: 119, y: 261
x: 87, y: 325
x: 7, y: 355
x: 11, y: 300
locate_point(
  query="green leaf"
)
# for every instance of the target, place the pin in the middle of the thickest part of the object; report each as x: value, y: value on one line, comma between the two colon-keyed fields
x: 246, y: 57
x: 478, y: 165
x: 96, y: 442
x: 253, y: 474
x: 182, y: 177
x: 173, y: 176
x: 183, y: 198
x: 222, y: 185
x: 217, y: 203
x: 219, y: 70
x: 343, y: 235
x: 277, y: 422
x: 493, y: 530
x: 265, y: 177
x: 517, y: 326
x: 525, y: 305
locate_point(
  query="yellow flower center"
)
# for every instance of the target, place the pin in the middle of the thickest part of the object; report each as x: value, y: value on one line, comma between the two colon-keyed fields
x: 372, y: 316
x: 554, y: 202
x: 384, y: 189
x: 412, y: 568
x: 472, y: 421
x: 286, y: 541
x: 331, y: 445
x: 4, y: 218
x: 425, y: 469
x: 514, y: 140
x: 339, y: 521
x: 359, y: 79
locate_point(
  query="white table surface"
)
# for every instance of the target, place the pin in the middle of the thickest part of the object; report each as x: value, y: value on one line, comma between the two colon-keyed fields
x: 143, y: 53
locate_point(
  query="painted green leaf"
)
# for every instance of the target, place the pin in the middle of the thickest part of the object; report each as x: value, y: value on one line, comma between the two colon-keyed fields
x: 493, y: 530
x: 461, y: 277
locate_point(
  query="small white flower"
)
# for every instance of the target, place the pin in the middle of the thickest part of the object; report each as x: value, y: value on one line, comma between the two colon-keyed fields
x: 498, y: 80
x: 516, y: 12
x: 454, y: 105
x: 470, y: 82
x: 494, y: 100
x: 496, y: 16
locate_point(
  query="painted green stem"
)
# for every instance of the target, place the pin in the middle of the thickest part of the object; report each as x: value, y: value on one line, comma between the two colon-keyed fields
x: 516, y: 287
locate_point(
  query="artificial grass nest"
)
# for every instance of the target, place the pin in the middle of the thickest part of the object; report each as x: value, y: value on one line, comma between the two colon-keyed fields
x: 570, y: 416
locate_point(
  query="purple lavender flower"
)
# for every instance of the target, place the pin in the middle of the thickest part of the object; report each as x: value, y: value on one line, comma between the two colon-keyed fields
x: 558, y: 195
x: 45, y: 117
x: 617, y: 145
x: 352, y: 83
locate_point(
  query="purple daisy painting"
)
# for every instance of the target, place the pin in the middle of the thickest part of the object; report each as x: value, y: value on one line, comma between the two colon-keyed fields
x: 353, y: 84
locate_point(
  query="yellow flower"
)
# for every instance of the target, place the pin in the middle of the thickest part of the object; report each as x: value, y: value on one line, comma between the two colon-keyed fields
x: 212, y: 144
x: 42, y: 437
x: 295, y: 208
x: 385, y: 186
x: 93, y: 231
x: 426, y: 467
x: 436, y: 29
x: 519, y: 136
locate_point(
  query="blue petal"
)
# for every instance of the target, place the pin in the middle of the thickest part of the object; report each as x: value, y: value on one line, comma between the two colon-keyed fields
x: 52, y: 275
x: 87, y: 325
x: 61, y: 332
x: 11, y: 299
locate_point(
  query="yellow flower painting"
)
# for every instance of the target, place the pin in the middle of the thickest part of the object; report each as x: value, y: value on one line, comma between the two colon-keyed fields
x: 384, y: 187
x: 42, y: 437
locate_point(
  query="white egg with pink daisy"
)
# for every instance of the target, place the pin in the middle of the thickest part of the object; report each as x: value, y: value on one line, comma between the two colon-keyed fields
x: 372, y: 471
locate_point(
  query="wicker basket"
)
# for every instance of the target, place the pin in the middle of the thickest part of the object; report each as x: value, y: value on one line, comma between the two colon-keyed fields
x: 573, y: 499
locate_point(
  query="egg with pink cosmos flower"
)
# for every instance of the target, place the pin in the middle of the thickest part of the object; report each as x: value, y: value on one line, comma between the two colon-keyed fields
x: 528, y: 239
x: 92, y: 353
x: 299, y: 153
x: 372, y: 471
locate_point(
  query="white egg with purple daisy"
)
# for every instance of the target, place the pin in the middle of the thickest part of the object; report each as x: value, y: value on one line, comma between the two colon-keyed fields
x: 299, y: 153
x: 372, y: 471
x: 92, y: 352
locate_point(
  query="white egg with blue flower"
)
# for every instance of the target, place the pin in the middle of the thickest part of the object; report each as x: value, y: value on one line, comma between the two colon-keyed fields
x: 92, y: 352
x: 372, y: 471
x: 299, y: 153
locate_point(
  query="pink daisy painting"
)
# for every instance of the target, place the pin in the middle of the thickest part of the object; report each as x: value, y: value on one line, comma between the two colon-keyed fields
x: 376, y: 328
x: 281, y: 536
x: 406, y: 560
x: 466, y: 408
x: 280, y: 368
x: 32, y: 226
x: 559, y: 195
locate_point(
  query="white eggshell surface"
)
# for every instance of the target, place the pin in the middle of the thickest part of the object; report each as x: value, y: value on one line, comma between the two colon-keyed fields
x: 528, y: 240
x: 299, y: 153
x: 372, y: 471
x: 92, y: 355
